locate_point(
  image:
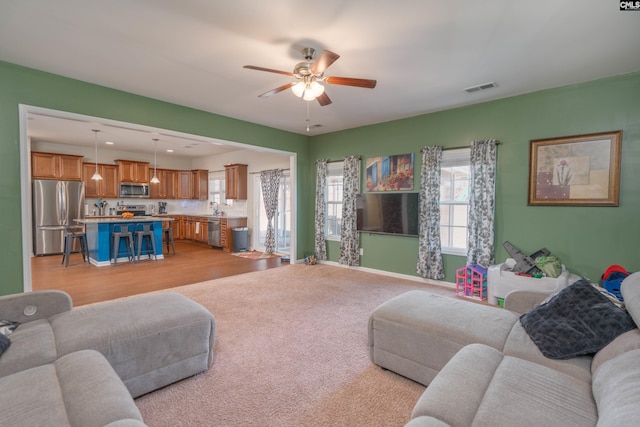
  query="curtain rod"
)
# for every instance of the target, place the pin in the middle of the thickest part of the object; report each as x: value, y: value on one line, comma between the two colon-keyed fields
x: 254, y: 173
x: 460, y: 147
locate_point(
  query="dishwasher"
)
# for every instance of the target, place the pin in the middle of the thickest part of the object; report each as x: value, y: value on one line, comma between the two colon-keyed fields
x: 214, y: 232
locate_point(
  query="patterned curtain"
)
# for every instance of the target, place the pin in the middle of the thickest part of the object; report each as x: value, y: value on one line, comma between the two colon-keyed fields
x: 270, y: 181
x: 349, y: 245
x: 482, y: 182
x: 429, y: 250
x: 321, y: 209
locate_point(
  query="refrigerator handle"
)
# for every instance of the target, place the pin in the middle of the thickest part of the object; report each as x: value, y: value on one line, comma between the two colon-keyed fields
x: 61, y: 203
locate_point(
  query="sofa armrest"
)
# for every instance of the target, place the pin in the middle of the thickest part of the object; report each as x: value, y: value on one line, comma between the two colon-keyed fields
x: 521, y: 302
x: 30, y: 306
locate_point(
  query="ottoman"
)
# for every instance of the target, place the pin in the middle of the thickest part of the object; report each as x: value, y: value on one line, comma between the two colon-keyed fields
x: 416, y: 333
x: 150, y: 340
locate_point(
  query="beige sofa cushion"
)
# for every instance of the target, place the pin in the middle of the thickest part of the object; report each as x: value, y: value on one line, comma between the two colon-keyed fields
x: 480, y: 386
x: 32, y: 344
x: 615, y: 388
x: 520, y: 345
x: 79, y: 389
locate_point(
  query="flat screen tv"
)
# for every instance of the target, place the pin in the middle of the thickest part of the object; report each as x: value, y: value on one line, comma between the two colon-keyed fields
x: 392, y: 213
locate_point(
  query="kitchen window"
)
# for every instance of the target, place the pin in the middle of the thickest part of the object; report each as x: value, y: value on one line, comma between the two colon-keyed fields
x: 454, y: 200
x: 333, y: 216
x: 216, y: 189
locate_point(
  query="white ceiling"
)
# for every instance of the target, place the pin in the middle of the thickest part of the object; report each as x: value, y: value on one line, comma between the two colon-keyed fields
x: 423, y: 53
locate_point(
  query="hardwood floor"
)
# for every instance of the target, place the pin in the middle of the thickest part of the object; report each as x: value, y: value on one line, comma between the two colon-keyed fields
x: 192, y: 263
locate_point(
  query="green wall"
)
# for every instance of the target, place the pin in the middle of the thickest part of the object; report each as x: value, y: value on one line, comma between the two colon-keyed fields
x: 19, y: 85
x: 587, y: 239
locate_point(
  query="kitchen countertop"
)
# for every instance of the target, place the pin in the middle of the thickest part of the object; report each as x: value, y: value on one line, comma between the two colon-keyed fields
x: 205, y: 216
x: 117, y: 218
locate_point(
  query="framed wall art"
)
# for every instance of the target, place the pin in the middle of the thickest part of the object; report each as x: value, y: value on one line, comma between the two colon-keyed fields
x: 390, y: 173
x: 580, y: 170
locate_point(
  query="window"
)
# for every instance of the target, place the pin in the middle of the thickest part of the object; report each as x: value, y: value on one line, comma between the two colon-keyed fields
x: 454, y: 200
x: 333, y: 217
x: 216, y: 189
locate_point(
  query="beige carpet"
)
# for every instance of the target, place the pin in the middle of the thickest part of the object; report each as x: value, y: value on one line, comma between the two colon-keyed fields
x: 291, y: 350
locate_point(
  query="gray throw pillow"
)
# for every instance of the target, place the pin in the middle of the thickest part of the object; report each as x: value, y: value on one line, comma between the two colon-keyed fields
x: 577, y: 321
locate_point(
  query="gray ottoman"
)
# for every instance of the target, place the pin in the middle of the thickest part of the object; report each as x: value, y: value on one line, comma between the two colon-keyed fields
x: 416, y: 333
x: 150, y: 340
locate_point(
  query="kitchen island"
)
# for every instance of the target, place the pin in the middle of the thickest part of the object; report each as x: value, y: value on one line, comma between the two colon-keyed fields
x: 99, y: 239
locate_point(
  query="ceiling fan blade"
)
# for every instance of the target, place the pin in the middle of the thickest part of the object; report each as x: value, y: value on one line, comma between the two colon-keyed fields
x: 276, y: 90
x: 253, y: 67
x: 323, y: 99
x: 348, y: 81
x: 323, y: 62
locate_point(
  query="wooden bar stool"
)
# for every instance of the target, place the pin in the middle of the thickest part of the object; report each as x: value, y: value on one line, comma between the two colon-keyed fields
x: 122, y: 232
x: 145, y: 232
x: 70, y: 235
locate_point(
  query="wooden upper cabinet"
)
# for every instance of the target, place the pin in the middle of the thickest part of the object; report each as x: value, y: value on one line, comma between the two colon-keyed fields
x: 200, y: 184
x: 184, y: 184
x: 56, y: 166
x: 235, y: 179
x: 166, y: 188
x: 107, y: 187
x: 132, y: 171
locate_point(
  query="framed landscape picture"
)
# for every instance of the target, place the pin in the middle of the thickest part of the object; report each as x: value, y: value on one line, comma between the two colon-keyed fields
x: 390, y: 173
x: 581, y: 170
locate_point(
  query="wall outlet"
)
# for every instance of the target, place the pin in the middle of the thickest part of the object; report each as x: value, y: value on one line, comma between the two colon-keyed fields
x: 361, y: 251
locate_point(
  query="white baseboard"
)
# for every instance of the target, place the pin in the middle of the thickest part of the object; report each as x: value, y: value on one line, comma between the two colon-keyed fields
x: 392, y: 274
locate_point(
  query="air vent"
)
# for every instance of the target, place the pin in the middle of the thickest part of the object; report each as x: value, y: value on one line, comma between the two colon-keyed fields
x: 480, y: 87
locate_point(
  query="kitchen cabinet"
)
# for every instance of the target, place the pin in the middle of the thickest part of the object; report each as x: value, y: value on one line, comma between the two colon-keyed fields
x: 193, y: 184
x: 107, y: 187
x: 166, y: 188
x: 56, y: 166
x: 184, y: 184
x: 226, y: 231
x: 133, y: 172
x: 235, y: 179
x: 200, y: 184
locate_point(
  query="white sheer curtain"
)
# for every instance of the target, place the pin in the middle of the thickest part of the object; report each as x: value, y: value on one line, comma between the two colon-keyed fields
x: 349, y: 244
x: 430, y: 264
x: 321, y: 208
x: 482, y: 183
x: 270, y: 183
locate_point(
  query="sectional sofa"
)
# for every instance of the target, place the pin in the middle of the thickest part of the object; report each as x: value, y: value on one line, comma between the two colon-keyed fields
x: 573, y: 360
x: 83, y: 366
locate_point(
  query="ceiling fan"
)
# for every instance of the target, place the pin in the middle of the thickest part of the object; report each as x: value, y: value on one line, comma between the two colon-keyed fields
x: 309, y: 73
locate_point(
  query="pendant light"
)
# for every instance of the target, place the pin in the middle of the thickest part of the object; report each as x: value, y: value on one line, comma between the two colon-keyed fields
x: 155, y: 179
x: 96, y: 176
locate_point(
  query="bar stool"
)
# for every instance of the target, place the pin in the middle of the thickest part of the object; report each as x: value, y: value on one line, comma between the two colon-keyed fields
x: 122, y: 232
x: 168, y: 237
x: 70, y: 235
x: 145, y: 232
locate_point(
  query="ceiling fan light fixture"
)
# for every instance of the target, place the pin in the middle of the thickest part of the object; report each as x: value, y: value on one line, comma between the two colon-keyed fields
x: 308, y: 95
x: 298, y: 89
x: 316, y: 89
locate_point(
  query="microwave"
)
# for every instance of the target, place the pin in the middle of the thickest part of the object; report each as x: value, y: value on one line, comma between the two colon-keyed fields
x: 134, y: 190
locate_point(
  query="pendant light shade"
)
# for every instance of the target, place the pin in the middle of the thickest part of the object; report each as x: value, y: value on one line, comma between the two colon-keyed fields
x: 96, y: 176
x: 155, y: 179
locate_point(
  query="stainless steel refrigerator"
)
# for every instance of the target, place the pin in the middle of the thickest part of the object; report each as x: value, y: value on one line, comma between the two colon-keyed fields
x: 55, y: 205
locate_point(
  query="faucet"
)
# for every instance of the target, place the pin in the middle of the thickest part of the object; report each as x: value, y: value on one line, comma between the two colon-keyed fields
x: 215, y: 208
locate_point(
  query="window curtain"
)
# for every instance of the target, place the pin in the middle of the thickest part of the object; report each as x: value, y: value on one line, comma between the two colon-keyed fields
x: 482, y: 182
x: 321, y: 209
x: 270, y: 183
x: 430, y: 264
x: 349, y: 245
